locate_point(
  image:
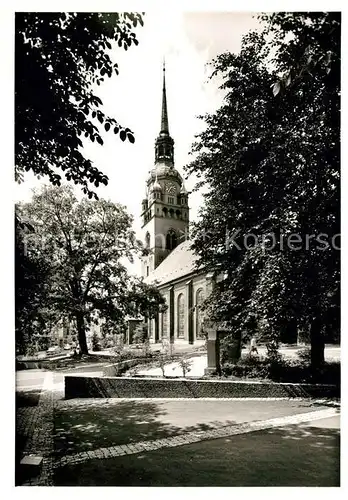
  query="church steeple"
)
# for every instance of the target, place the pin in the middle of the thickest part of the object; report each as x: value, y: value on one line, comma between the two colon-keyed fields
x: 165, y: 209
x: 164, y: 116
x: 164, y: 148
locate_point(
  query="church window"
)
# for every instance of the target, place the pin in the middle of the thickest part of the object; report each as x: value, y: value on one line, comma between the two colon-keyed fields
x: 165, y: 324
x: 199, y: 313
x: 170, y: 200
x: 181, y: 316
x: 147, y: 270
x: 171, y: 240
x: 147, y: 240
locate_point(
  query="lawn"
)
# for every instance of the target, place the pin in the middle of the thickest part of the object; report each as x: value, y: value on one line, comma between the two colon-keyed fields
x: 92, y: 425
x: 85, y: 425
x: 291, y: 456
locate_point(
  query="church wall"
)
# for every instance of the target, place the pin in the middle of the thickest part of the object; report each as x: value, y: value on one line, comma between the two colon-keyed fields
x: 165, y: 294
x: 198, y: 282
x: 180, y: 288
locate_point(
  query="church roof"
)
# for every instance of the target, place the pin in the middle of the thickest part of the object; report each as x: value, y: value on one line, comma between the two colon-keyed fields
x: 179, y: 263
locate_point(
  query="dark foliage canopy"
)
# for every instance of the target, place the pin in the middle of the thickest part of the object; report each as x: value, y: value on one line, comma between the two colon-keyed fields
x: 59, y: 57
x: 271, y: 155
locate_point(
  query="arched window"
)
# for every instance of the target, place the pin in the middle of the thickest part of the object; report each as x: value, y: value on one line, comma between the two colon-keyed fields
x: 171, y: 240
x: 181, y: 316
x: 147, y: 240
x: 165, y: 324
x: 199, y: 313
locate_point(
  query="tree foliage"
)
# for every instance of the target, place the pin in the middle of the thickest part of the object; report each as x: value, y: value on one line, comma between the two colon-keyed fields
x: 32, y: 318
x: 59, y: 60
x: 85, y: 245
x: 271, y: 156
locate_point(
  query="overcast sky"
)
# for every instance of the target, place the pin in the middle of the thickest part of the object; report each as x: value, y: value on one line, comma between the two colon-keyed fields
x: 188, y: 41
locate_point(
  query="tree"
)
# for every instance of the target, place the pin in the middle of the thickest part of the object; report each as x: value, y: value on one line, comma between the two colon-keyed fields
x: 271, y: 157
x: 85, y: 244
x: 185, y: 365
x: 32, y: 319
x: 59, y: 58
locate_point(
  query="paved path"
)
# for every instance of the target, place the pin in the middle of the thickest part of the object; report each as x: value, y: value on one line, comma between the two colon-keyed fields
x: 37, y: 425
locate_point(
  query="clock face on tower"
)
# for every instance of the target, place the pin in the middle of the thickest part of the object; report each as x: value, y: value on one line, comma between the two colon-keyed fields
x: 170, y: 188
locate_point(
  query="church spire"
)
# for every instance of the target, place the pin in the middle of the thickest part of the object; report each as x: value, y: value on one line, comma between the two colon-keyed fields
x: 164, y: 147
x: 164, y: 116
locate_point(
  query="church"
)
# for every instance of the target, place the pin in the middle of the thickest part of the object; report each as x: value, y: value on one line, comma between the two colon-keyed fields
x: 168, y: 261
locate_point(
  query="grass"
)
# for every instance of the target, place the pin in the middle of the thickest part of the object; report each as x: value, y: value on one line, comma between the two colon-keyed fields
x: 93, y: 425
x: 291, y: 456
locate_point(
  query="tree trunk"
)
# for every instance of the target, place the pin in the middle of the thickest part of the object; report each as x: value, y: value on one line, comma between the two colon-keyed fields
x: 81, y: 332
x: 317, y: 344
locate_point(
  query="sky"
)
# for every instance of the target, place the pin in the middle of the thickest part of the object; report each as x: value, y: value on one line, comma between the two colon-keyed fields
x: 187, y: 41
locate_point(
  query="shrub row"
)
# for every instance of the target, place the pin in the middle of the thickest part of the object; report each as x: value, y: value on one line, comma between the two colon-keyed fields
x: 283, y: 371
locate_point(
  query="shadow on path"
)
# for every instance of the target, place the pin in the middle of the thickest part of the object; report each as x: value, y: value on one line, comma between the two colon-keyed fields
x: 91, y: 425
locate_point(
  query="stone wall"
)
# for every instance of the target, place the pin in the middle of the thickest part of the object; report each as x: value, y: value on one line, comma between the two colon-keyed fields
x: 126, y: 387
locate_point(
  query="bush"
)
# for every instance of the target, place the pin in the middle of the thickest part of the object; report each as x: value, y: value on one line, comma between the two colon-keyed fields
x: 249, y: 367
x: 292, y: 371
x: 185, y: 365
x: 230, y: 348
x: 305, y: 355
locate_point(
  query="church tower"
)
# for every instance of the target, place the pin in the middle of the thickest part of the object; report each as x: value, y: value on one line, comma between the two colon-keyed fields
x: 165, y: 210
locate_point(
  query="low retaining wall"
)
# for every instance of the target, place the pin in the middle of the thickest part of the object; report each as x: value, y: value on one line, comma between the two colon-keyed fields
x: 126, y: 387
